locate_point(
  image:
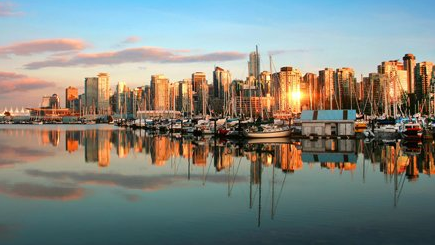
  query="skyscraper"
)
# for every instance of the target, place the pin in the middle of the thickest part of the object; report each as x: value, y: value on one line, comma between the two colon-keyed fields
x: 91, y: 94
x: 409, y: 66
x: 200, y: 92
x: 159, y: 92
x: 254, y: 64
x: 326, y: 82
x: 221, y: 82
x: 103, y: 105
x: 310, y: 91
x: 423, y: 76
x: 396, y: 79
x: 289, y: 80
x: 185, y: 98
x: 345, y: 82
x: 97, y: 94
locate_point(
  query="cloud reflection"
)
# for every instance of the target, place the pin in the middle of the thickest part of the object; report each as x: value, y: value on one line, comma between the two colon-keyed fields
x: 13, y: 155
x: 37, y: 191
x: 146, y: 183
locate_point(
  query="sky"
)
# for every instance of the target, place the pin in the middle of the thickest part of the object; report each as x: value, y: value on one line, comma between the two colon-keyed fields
x: 46, y: 46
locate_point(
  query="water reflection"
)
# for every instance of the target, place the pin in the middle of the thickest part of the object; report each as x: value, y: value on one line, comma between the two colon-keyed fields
x: 261, y: 174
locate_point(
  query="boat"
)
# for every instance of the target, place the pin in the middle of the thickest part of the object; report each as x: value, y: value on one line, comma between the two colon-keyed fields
x: 37, y: 122
x: 267, y: 132
x: 360, y: 126
x: 412, y: 131
x: 386, y: 131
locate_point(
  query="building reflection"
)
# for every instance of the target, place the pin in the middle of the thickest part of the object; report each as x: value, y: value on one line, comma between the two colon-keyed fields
x: 72, y: 139
x: 50, y: 137
x: 330, y: 153
x: 390, y: 158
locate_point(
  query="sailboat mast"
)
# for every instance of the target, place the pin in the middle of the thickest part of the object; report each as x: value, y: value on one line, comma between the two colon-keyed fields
x: 260, y: 91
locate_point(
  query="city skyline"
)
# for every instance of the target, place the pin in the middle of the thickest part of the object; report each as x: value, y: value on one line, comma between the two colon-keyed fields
x: 134, y: 41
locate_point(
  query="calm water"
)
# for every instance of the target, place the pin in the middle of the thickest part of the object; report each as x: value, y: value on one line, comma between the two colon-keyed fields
x: 104, y: 185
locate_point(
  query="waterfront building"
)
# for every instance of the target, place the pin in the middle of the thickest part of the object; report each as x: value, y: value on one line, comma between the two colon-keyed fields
x: 173, y: 95
x: 423, y: 76
x: 97, y: 94
x: 310, y: 92
x: 185, y: 97
x: 328, y: 122
x: 409, y: 66
x: 222, y: 90
x: 159, y: 92
x: 345, y: 84
x: 54, y: 102
x: 103, y: 106
x: 287, y: 85
x: 45, y: 103
x: 200, y: 92
x: 91, y: 95
x: 326, y: 83
x: 71, y: 95
x: 397, y: 83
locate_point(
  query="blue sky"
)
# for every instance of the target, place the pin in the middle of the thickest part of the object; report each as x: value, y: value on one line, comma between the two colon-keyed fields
x: 197, y: 35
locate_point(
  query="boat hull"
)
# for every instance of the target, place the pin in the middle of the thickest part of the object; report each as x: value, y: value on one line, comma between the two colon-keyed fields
x: 285, y: 133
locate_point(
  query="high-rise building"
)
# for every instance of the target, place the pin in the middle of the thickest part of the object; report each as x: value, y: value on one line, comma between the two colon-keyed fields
x: 289, y: 95
x: 265, y: 82
x: 200, y: 92
x: 409, y: 66
x: 345, y: 82
x: 159, y: 92
x: 91, y: 95
x: 185, y: 97
x: 71, y: 94
x: 221, y: 82
x: 378, y: 83
x: 103, y: 105
x: 254, y: 64
x: 326, y: 83
x: 423, y: 76
x: 397, y: 79
x: 310, y: 92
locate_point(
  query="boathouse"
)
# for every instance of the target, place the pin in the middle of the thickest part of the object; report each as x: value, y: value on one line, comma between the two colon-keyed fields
x: 328, y: 123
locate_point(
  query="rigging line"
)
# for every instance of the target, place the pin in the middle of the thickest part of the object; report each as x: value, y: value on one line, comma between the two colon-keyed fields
x: 209, y: 166
x: 235, y: 174
x: 280, y: 194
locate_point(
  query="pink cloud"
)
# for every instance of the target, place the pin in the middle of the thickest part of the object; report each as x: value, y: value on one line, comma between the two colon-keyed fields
x: 12, y: 82
x: 42, y: 46
x: 131, y: 39
x: 7, y: 9
x: 134, y: 55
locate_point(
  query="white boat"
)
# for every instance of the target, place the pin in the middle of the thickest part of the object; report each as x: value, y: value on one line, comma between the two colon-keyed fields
x: 387, y: 131
x: 268, y: 132
x: 37, y: 122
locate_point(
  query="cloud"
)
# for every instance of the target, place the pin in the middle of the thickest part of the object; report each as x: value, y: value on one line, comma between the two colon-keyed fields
x: 12, y: 82
x: 132, y: 39
x: 43, y: 46
x: 37, y: 191
x: 135, y: 55
x: 7, y: 9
